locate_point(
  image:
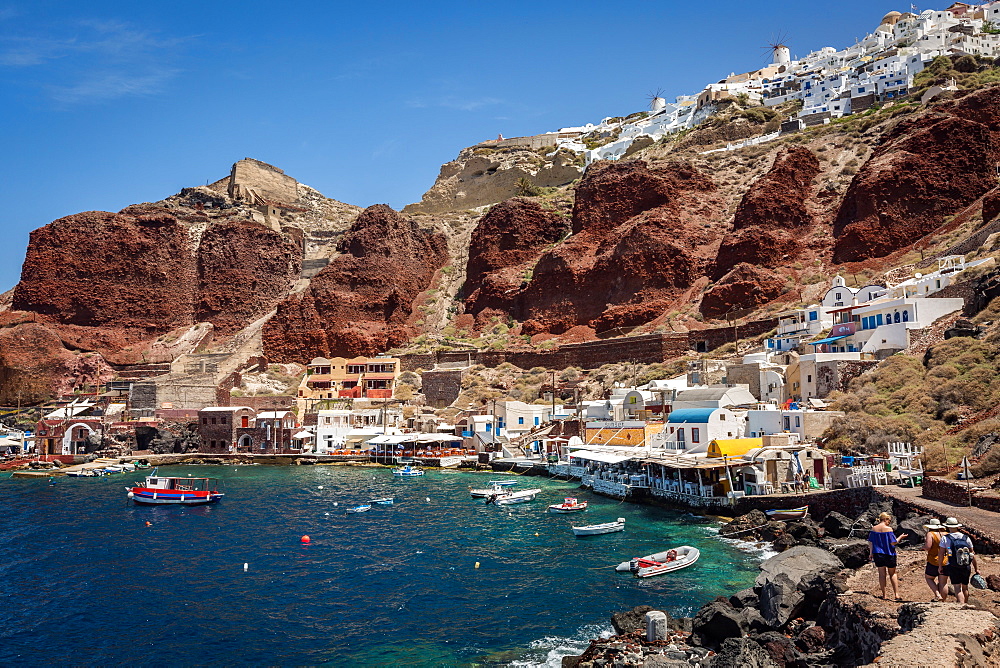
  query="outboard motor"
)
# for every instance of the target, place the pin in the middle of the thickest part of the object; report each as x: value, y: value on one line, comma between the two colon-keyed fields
x: 633, y: 565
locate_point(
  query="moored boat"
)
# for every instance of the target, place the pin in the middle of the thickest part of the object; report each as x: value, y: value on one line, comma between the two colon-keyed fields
x: 661, y: 562
x: 488, y: 491
x: 511, y: 498
x: 788, y: 513
x: 569, y: 505
x: 407, y: 471
x: 503, y: 483
x: 598, y: 529
x: 185, y: 491
x: 386, y: 501
x: 360, y: 509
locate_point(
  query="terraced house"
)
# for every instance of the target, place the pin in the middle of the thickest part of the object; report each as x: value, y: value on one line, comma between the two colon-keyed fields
x: 341, y: 378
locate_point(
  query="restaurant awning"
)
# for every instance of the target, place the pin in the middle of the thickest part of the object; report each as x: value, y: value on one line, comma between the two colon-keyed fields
x: 603, y: 457
x: 829, y: 339
x: 303, y: 434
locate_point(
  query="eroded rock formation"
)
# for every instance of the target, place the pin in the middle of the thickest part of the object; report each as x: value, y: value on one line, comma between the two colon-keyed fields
x: 924, y: 169
x: 362, y: 301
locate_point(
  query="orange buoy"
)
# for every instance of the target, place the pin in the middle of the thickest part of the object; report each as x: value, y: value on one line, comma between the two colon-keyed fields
x: 149, y: 524
x: 306, y: 540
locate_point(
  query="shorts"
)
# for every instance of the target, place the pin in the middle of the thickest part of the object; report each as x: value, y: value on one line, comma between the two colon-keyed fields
x: 932, y: 571
x: 884, y: 560
x: 958, y: 575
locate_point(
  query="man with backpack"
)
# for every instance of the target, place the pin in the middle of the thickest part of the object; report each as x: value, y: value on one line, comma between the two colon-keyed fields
x: 961, y: 564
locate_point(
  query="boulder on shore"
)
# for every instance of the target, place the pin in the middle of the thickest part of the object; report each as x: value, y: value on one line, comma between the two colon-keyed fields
x: 715, y: 622
x: 837, y: 525
x: 852, y: 551
x: 742, y: 653
x: 794, y: 583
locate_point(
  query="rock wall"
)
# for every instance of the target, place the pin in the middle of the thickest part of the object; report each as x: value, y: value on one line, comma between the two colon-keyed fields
x: 244, y: 270
x: 441, y: 387
x: 361, y: 302
x: 640, y: 242
x: 120, y: 270
x: 924, y: 169
x: 249, y: 175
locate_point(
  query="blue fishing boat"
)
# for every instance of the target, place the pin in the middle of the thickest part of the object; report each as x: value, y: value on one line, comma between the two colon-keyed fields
x: 360, y: 509
x: 407, y: 471
x: 387, y: 501
x: 159, y: 490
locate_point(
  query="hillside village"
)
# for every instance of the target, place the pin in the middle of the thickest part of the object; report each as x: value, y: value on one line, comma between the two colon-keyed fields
x: 701, y: 413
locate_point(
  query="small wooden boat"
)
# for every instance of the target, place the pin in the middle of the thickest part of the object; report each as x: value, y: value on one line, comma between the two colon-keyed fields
x: 387, y: 501
x: 511, y: 498
x: 185, y: 491
x: 407, y: 471
x: 569, y: 505
x: 787, y: 514
x: 360, y: 509
x: 661, y: 562
x: 598, y: 529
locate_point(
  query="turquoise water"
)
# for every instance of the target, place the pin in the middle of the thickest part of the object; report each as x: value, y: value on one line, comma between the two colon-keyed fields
x: 84, y: 580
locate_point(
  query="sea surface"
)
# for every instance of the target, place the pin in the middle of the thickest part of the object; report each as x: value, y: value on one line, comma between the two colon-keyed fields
x: 84, y: 580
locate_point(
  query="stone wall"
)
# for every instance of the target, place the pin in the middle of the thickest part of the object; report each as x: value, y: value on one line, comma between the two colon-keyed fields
x: 835, y: 375
x: 745, y: 374
x: 705, y: 340
x: 273, y: 402
x: 850, y: 502
x: 441, y: 387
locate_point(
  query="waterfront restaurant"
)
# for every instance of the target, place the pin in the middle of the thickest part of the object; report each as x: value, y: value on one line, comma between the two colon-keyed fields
x: 696, y: 479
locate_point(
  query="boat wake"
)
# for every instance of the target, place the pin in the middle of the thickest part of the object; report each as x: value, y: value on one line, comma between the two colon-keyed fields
x: 756, y: 549
x: 549, y: 651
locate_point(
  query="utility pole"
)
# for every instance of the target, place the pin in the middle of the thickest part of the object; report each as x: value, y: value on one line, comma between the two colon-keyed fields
x: 552, y: 415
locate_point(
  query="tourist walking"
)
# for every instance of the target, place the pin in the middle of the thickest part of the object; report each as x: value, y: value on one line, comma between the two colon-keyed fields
x: 961, y: 563
x: 933, y: 574
x: 882, y: 551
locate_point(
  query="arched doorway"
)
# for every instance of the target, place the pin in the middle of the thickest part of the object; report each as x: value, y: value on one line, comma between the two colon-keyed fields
x: 245, y: 444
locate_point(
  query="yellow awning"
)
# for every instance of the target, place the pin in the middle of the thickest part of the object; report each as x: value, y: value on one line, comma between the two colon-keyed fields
x: 733, y: 447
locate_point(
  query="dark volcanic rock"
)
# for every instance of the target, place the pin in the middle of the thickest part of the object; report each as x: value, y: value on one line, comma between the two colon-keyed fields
x: 780, y: 648
x: 742, y: 653
x: 361, y: 302
x: 852, y: 551
x: 632, y: 620
x: 811, y: 640
x: 912, y: 532
x: 837, y: 525
x: 717, y: 621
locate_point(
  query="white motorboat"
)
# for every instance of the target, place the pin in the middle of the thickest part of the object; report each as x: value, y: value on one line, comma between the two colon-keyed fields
x: 598, y: 529
x: 661, y: 562
x: 493, y: 489
x: 407, y: 471
x: 360, y: 509
x: 503, y: 483
x: 569, y: 505
x: 510, y: 498
x: 385, y: 501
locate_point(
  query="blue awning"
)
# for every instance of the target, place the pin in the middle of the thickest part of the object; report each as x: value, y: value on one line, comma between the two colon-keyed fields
x: 828, y: 340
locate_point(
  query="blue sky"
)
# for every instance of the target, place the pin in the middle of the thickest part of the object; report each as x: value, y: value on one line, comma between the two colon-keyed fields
x: 105, y: 104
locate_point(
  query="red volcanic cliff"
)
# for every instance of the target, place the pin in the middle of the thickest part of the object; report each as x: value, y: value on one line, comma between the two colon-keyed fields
x: 746, y: 286
x: 361, y: 302
x: 767, y: 228
x: 925, y: 168
x: 503, y: 250
x: 244, y: 270
x: 639, y: 242
x: 112, y: 270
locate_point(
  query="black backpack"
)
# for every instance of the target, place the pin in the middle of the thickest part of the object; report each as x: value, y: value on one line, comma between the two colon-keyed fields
x: 959, y: 550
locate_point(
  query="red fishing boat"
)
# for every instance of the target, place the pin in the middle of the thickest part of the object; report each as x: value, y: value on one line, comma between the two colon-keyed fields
x: 569, y: 505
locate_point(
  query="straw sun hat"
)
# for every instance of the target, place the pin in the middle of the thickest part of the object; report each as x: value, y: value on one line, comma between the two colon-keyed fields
x: 935, y: 525
x: 951, y: 523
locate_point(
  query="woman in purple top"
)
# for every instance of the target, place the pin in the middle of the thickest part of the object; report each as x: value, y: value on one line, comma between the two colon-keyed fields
x: 882, y: 550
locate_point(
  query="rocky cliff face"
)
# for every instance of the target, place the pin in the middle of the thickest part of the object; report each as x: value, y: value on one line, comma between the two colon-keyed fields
x: 638, y: 244
x: 484, y: 175
x: 924, y: 169
x: 362, y: 302
x: 503, y: 250
x: 244, y: 269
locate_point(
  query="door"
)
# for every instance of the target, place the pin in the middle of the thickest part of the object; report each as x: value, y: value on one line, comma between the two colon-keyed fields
x: 818, y: 470
x: 245, y: 422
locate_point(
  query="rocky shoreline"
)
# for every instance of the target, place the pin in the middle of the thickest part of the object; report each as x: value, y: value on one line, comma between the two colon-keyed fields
x: 815, y: 603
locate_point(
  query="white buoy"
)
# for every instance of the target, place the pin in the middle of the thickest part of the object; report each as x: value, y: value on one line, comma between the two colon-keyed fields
x: 327, y: 514
x: 477, y: 564
x: 428, y: 499
x: 245, y: 566
x: 320, y: 487
x: 334, y: 503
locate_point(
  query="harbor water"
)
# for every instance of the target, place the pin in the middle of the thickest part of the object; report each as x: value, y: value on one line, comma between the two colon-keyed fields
x: 84, y: 580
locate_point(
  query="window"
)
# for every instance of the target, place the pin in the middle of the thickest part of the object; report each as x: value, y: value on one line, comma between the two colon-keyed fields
x: 837, y: 296
x: 906, y: 316
x: 536, y: 421
x: 813, y: 315
x: 520, y: 420
x: 787, y: 423
x: 878, y: 320
x: 809, y: 378
x: 680, y: 435
x: 798, y: 422
x: 895, y: 316
x: 489, y: 426
x: 722, y: 416
x: 204, y: 420
x: 695, y: 435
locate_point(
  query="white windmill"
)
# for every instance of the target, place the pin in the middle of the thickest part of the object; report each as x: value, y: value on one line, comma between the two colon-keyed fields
x: 780, y: 55
x: 657, y: 102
